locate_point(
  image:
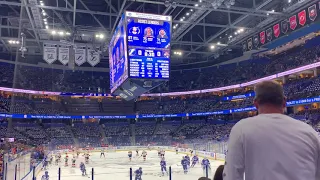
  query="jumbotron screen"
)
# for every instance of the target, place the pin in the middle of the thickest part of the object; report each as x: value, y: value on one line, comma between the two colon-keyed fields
x: 140, y: 48
x: 118, y: 61
x: 148, y: 37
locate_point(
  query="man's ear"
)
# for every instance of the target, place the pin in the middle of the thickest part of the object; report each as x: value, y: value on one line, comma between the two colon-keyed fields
x: 284, y: 102
x: 255, y: 102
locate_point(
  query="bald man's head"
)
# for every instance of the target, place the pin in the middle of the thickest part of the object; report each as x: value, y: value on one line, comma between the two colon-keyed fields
x: 269, y: 93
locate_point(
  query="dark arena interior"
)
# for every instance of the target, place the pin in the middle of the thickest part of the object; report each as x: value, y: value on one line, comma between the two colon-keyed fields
x: 102, y: 88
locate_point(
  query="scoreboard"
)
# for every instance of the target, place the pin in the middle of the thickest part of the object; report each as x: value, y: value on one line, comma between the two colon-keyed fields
x: 148, y: 45
x: 139, y: 54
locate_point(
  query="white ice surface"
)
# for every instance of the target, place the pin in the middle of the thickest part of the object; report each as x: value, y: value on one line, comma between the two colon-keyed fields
x: 116, y: 166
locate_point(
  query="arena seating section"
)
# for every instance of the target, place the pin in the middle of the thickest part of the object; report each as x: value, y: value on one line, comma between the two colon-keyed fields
x: 161, y: 131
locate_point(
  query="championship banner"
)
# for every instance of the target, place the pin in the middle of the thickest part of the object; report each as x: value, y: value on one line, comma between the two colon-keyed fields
x: 93, y: 57
x: 64, y: 54
x: 276, y: 30
x: 312, y: 10
x: 80, y: 55
x: 293, y: 22
x: 284, y: 26
x: 250, y: 44
x: 244, y: 46
x: 256, y: 41
x: 263, y: 37
x: 269, y: 34
x: 50, y: 53
x: 302, y: 17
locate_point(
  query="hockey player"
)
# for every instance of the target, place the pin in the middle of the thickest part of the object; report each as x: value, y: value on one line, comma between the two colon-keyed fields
x: 130, y: 155
x: 162, y: 152
x: 163, y: 165
x: 66, y: 160
x: 159, y: 152
x: 144, y: 155
x: 102, y: 153
x: 86, y: 158
x: 73, y: 161
x: 191, y: 152
x: 137, y: 152
x: 51, y: 159
x: 195, y: 160
x: 177, y: 150
x: 138, y: 174
x: 188, y: 160
x: 205, y: 164
x: 78, y: 153
x: 57, y: 160
x: 83, y: 169
x: 45, y: 163
x: 184, y: 164
x: 45, y: 176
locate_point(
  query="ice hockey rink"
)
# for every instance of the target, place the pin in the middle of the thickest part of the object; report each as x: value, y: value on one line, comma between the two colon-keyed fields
x: 116, y: 166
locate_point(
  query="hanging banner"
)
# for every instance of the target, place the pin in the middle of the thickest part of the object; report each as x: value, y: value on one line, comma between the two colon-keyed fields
x: 293, y: 22
x: 244, y: 46
x: 284, y: 26
x: 80, y: 55
x: 263, y: 37
x: 269, y: 34
x: 302, y: 17
x: 313, y: 12
x: 64, y: 54
x: 50, y: 53
x: 93, y: 57
x: 250, y: 44
x: 256, y: 41
x: 276, y: 30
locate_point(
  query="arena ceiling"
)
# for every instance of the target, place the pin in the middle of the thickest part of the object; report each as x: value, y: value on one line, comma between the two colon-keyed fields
x: 202, y: 29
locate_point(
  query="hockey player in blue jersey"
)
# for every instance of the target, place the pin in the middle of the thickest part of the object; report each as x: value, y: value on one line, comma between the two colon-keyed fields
x: 195, y: 160
x: 45, y: 176
x: 188, y: 159
x: 205, y: 163
x: 184, y: 163
x: 138, y: 174
x: 163, y: 165
x: 83, y: 169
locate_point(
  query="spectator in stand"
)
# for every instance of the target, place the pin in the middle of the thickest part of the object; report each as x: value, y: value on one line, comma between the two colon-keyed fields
x: 272, y: 145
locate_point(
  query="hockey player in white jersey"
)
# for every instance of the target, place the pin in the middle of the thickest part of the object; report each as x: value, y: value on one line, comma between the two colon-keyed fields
x: 144, y: 155
x: 102, y: 153
x: 86, y: 158
x: 45, y: 176
x: 130, y: 155
x: 73, y: 160
x: 162, y: 153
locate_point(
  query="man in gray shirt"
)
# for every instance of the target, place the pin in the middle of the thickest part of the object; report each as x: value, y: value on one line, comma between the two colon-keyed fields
x: 271, y: 145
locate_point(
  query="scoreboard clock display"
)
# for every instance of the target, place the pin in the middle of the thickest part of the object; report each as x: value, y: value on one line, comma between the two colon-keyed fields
x: 148, y: 38
x: 139, y: 52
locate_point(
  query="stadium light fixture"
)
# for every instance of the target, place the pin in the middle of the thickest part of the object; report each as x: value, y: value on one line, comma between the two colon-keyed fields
x: 212, y: 47
x: 47, y: 27
x: 218, y: 43
x: 289, y: 1
x: 61, y: 33
x: 200, y: 1
x: 181, y: 19
x: 13, y: 42
x: 41, y: 4
x: 235, y: 33
x: 187, y: 14
x: 53, y: 32
x: 196, y: 5
x: 191, y: 10
x: 68, y: 34
x: 45, y: 22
